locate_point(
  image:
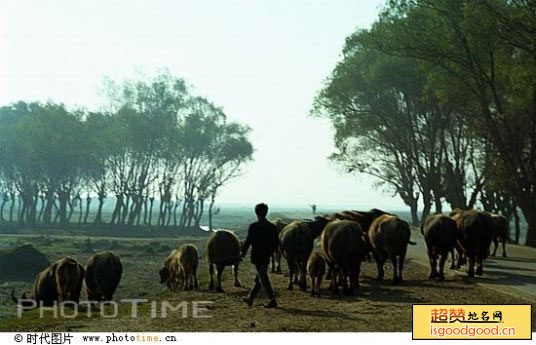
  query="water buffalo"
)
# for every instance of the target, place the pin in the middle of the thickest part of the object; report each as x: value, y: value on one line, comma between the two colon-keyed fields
x: 297, y: 241
x: 440, y: 235
x: 103, y: 273
x: 316, y: 267
x: 364, y: 218
x: 59, y: 282
x: 170, y: 273
x: 223, y: 249
x: 476, y: 233
x: 500, y: 232
x: 188, y: 261
x: 344, y: 246
x: 276, y: 256
x: 389, y: 237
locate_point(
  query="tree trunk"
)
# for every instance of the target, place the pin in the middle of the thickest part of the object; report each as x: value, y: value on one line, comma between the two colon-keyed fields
x: 177, y: 203
x: 32, y: 210
x: 98, y: 217
x: 438, y: 204
x: 161, y: 213
x: 42, y: 209
x: 47, y: 214
x: 517, y: 226
x: 80, y: 212
x: 57, y: 215
x: 427, y: 206
x: 212, y: 199
x: 116, y: 215
x: 70, y: 203
x: 125, y: 210
x: 145, y: 210
x: 4, y: 200
x: 531, y: 231
x: 528, y: 207
x: 19, y: 205
x: 135, y: 210
x: 88, y: 202
x: 62, y: 198
x: 12, y: 207
x: 151, y: 202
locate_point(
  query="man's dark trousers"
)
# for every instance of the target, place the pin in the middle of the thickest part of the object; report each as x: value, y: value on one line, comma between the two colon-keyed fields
x: 262, y: 279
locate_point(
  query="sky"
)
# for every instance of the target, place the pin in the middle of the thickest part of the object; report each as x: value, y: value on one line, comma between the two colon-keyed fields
x: 262, y: 61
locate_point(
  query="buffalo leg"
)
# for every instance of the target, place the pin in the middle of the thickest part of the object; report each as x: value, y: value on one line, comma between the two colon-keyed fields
x: 356, y: 277
x: 479, y: 266
x: 278, y: 260
x: 346, y: 285
x: 461, y: 252
x: 196, y: 285
x: 504, y: 247
x: 495, y: 245
x: 189, y: 281
x: 303, y: 277
x: 318, y: 285
x: 442, y: 266
x: 192, y: 280
x: 401, y: 267
x: 433, y: 265
x: 453, y: 259
x: 395, y: 269
x: 334, y: 285
x: 76, y: 295
x: 219, y: 272
x: 211, y: 272
x: 273, y: 262
x: 291, y: 273
x: 235, y: 274
x: 329, y: 274
x: 379, y: 263
x: 471, y: 268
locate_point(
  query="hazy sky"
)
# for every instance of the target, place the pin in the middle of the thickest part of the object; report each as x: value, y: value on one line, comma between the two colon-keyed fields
x: 262, y: 61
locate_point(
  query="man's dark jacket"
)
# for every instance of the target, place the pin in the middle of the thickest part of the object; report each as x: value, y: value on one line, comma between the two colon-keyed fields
x: 263, y: 238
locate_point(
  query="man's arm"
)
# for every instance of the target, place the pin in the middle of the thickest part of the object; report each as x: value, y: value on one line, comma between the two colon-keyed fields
x: 247, y: 242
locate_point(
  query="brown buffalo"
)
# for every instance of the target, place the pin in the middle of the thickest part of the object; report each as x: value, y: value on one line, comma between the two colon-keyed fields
x: 103, y: 273
x: 500, y: 232
x: 440, y: 235
x: 389, y: 237
x: 188, y: 261
x: 476, y: 233
x: 316, y: 267
x: 223, y: 249
x: 276, y: 256
x: 364, y: 218
x: 297, y: 241
x: 344, y: 246
x: 170, y: 273
x: 59, y: 282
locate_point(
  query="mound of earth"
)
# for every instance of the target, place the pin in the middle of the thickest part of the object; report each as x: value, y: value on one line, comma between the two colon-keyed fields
x: 21, y: 263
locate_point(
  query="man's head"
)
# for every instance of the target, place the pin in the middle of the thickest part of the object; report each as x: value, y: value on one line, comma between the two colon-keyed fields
x: 261, y: 210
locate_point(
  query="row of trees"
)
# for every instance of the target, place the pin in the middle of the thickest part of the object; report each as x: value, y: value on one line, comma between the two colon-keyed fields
x: 154, y: 141
x: 437, y: 100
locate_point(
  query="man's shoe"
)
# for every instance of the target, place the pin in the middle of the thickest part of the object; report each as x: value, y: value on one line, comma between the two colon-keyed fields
x: 249, y: 301
x: 271, y: 304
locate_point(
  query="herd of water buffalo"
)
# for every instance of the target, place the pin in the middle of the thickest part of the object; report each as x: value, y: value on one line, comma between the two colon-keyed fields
x: 346, y: 239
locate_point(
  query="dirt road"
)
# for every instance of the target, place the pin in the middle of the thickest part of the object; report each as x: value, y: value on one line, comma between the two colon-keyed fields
x: 515, y: 274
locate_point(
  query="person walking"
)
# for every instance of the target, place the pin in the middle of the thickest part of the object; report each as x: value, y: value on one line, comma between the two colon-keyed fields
x: 263, y: 239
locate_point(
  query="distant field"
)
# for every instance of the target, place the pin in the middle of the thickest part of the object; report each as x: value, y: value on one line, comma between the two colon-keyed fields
x: 376, y: 307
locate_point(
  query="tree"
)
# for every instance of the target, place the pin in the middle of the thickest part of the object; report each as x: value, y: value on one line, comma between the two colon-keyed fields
x: 485, y: 50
